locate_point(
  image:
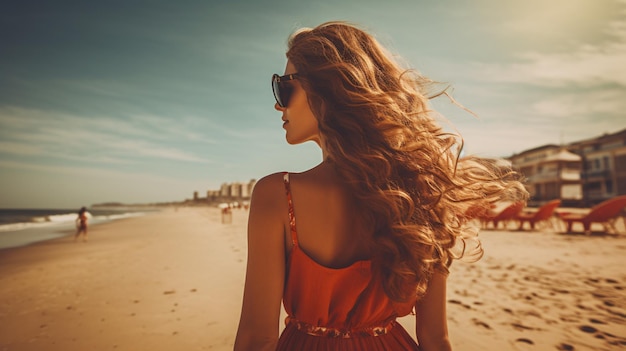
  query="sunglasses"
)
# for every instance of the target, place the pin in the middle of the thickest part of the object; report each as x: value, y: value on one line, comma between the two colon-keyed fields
x: 282, y: 91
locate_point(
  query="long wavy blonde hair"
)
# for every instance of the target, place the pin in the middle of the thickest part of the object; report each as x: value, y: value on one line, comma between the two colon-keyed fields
x: 400, y: 165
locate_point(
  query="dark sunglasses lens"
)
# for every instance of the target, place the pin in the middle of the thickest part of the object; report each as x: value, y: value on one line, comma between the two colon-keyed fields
x: 276, y: 91
x: 285, y: 93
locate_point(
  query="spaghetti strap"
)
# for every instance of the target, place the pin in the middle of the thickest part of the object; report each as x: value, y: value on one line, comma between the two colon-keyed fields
x: 292, y: 216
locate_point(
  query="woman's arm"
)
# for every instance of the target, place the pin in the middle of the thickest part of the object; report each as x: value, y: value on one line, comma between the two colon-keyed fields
x: 265, y: 274
x: 431, y: 325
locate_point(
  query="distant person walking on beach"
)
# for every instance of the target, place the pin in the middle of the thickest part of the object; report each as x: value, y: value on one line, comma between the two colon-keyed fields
x: 369, y: 234
x: 227, y: 213
x: 81, y: 224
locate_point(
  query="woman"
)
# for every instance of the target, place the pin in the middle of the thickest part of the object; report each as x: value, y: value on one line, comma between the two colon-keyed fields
x: 367, y: 235
x: 81, y: 224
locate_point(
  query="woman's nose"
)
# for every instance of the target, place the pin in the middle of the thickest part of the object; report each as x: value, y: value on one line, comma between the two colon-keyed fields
x: 278, y: 108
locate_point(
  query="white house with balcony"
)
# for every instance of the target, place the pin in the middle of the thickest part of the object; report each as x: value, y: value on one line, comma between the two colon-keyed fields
x: 552, y: 172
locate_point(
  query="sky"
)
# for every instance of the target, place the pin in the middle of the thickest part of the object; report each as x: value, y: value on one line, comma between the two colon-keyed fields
x: 149, y: 101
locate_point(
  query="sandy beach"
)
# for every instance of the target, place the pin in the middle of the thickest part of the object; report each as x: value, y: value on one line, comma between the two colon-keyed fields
x: 173, y: 280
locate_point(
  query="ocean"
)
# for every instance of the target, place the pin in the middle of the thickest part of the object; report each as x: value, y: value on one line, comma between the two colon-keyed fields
x: 19, y: 227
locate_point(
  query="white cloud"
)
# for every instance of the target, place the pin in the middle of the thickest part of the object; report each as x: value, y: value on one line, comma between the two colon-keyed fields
x: 168, y: 127
x: 598, y: 103
x: 588, y: 64
x: 33, y: 132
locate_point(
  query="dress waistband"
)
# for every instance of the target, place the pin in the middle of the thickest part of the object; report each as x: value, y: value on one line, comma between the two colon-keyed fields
x: 340, y: 333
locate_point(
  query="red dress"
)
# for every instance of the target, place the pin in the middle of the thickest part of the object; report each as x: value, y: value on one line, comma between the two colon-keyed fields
x: 338, y: 309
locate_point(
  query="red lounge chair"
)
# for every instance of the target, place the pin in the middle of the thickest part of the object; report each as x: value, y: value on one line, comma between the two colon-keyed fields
x: 507, y: 214
x: 603, y: 213
x: 544, y: 213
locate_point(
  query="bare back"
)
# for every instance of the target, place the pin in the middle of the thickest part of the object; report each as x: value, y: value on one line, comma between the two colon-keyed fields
x: 329, y: 227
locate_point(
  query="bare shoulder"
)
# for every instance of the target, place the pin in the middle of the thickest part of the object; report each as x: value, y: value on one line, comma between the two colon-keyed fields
x: 268, y: 194
x: 269, y: 186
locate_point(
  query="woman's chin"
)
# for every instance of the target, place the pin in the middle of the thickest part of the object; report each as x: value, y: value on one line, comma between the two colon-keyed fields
x: 292, y: 142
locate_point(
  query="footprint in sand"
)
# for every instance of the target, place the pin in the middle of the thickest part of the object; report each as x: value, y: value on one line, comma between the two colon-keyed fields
x: 615, y: 313
x: 561, y: 291
x: 569, y: 319
x: 523, y: 344
x: 613, y: 339
x: 582, y: 307
x: 596, y: 321
x: 521, y: 326
x: 588, y: 329
x: 457, y: 302
x: 526, y: 341
x: 481, y: 323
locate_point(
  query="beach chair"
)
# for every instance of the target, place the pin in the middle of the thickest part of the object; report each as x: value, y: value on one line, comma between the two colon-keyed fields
x: 507, y: 214
x: 604, y: 213
x: 544, y: 213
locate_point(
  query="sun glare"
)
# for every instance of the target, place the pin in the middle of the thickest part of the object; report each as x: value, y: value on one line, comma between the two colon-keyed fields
x: 560, y: 23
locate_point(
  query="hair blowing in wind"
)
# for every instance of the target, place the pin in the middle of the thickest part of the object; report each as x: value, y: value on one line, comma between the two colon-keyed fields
x: 404, y: 171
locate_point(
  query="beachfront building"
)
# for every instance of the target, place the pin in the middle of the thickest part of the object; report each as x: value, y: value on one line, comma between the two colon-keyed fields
x: 225, y: 190
x: 604, y: 166
x: 552, y: 172
x: 582, y: 173
x: 246, y: 189
x: 235, y: 190
x: 228, y: 192
x: 212, y: 195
